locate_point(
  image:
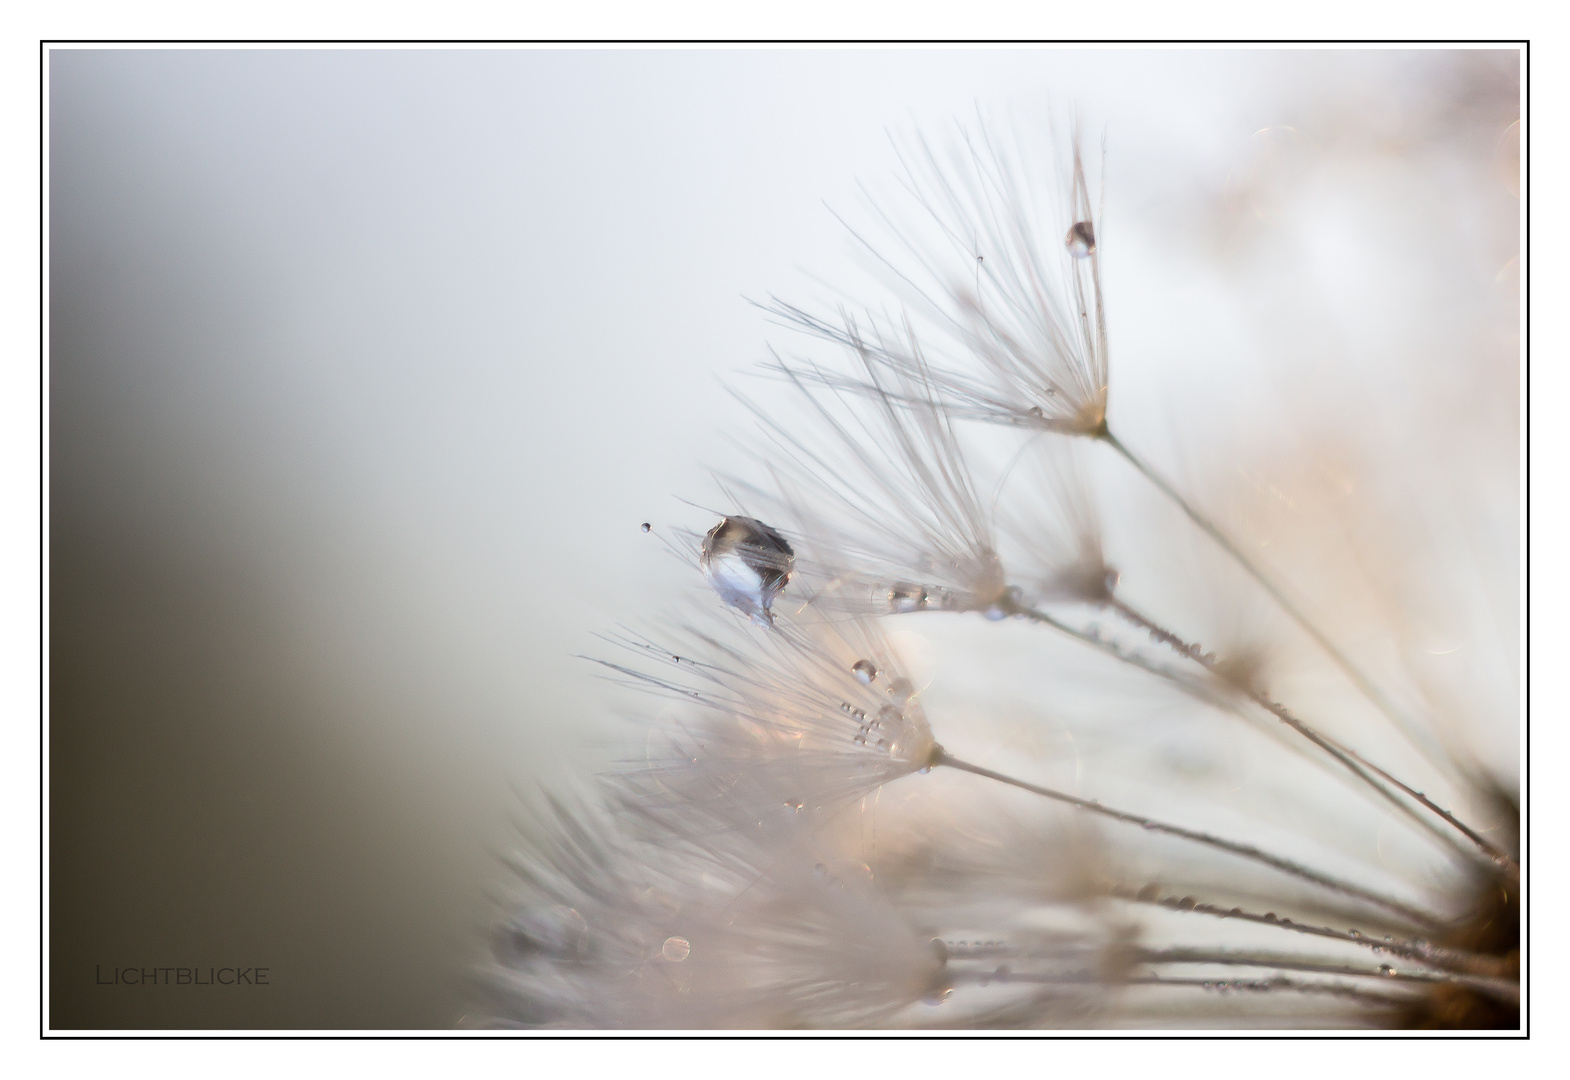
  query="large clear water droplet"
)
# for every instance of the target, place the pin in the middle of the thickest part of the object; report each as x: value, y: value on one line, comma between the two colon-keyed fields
x: 747, y: 563
x: 676, y: 949
x: 864, y: 671
x: 1081, y: 240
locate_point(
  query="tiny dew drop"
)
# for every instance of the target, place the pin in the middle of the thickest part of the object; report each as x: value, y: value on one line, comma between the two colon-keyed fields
x: 645, y: 526
x: 793, y: 805
x: 676, y: 949
x: 1081, y: 239
x: 1386, y: 969
x: 866, y: 674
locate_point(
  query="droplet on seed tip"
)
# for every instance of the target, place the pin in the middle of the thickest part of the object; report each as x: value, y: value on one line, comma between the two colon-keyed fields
x: 645, y: 526
x: 866, y: 674
x: 747, y: 563
x: 1081, y: 240
x: 904, y: 597
x: 676, y: 949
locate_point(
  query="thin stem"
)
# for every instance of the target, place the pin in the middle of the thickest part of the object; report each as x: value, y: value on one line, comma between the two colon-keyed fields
x: 1351, y: 759
x: 1233, y: 847
x: 1362, y: 681
x: 1502, y: 989
x: 1456, y: 960
x: 1279, y: 982
x: 1204, y: 693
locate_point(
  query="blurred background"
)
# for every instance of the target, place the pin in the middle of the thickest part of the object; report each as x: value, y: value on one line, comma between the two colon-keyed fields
x: 366, y: 366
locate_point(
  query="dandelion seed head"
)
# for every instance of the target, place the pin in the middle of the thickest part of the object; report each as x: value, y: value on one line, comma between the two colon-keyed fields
x: 1014, y: 322
x: 879, y: 494
x: 771, y: 861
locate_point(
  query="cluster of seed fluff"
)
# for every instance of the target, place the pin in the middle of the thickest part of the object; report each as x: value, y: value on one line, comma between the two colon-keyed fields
x: 1221, y: 814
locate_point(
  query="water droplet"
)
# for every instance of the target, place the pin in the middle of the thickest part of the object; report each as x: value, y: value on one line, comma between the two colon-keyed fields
x: 1187, y: 903
x: 676, y: 949
x: 937, y: 997
x: 888, y: 715
x: 924, y: 770
x: 901, y: 690
x: 1149, y: 892
x: 1235, y: 911
x: 793, y: 805
x: 866, y: 674
x: 645, y: 526
x: 1270, y: 916
x: 940, y: 950
x: 747, y: 563
x: 1081, y: 239
x: 1386, y: 970
x: 996, y: 613
x: 905, y: 597
x: 1354, y: 933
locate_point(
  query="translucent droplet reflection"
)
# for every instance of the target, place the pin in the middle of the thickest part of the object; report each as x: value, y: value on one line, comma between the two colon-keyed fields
x: 1081, y: 240
x: 864, y: 671
x: 747, y: 563
x: 904, y: 597
x: 645, y: 526
x: 676, y: 949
